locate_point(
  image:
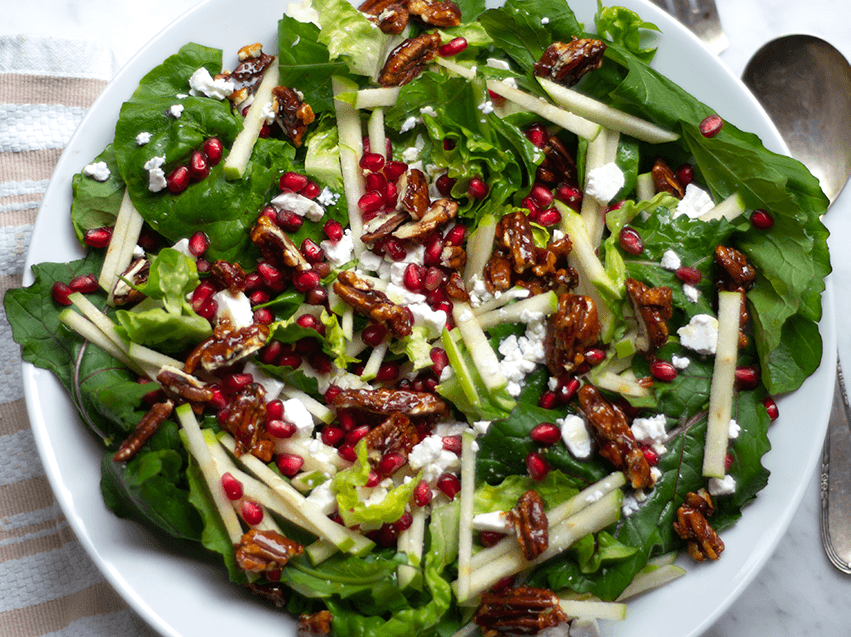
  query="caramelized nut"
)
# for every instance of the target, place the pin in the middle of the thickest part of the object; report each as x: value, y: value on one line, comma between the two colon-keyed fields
x: 146, y: 428
x: 652, y: 308
x: 530, y: 523
x: 567, y: 62
x: 409, y: 59
x: 691, y: 525
x: 518, y: 611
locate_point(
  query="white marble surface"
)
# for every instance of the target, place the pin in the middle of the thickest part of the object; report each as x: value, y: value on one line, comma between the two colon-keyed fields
x: 798, y: 594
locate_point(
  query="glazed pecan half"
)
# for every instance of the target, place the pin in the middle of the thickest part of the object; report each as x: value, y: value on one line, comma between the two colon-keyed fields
x: 413, y: 193
x: 391, y: 16
x: 665, y: 180
x: 261, y: 551
x: 179, y: 384
x: 276, y: 246
x: 558, y: 166
x: 691, y: 525
x: 567, y: 62
x: 383, y: 225
x: 146, y: 428
x: 614, y: 437
x: 137, y: 274
x: 226, y: 346
x: 570, y: 332
x: 439, y: 213
x: 409, y: 59
x: 292, y: 113
x: 246, y: 422
x: 652, y: 307
x: 518, y: 611
x: 438, y: 13
x: 552, y: 265
x: 230, y: 275
x: 514, y: 237
x: 395, y: 435
x: 736, y: 274
x: 271, y: 592
x: 391, y: 401
x: 248, y: 73
x: 359, y: 294
x: 530, y: 523
x: 315, y: 625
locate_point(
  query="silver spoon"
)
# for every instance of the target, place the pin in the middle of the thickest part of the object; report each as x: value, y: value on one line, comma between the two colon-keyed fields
x: 804, y: 84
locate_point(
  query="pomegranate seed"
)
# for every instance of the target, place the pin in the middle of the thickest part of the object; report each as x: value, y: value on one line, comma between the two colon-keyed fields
x: 198, y: 243
x: 311, y: 190
x: 594, y: 356
x: 688, y: 275
x: 331, y: 393
x: 422, y: 494
x: 347, y: 452
x: 434, y: 279
x: 333, y: 229
x: 264, y: 131
x: 394, y: 249
x: 404, y: 522
x: 290, y: 360
x: 391, y: 195
x: 208, y: 310
x: 448, y: 144
x: 412, y: 278
x: 289, y: 221
x: 771, y: 408
x: 538, y: 135
x: 289, y: 464
x: 199, y: 167
x: 235, y: 382
x: 444, y: 306
x: 444, y: 184
x: 548, y: 400
x: 60, y: 291
x: 332, y: 436
x: 373, y: 334
x: 85, y: 284
x: 354, y: 436
x: 387, y: 371
x: 202, y: 265
x: 477, y: 189
x: 253, y: 281
x: 376, y: 182
x: 541, y: 195
x: 307, y: 280
x: 395, y: 169
x: 98, y: 237
x: 292, y: 181
x: 569, y: 195
x: 178, y: 180
x: 685, y: 174
x: 252, y: 512
x: 320, y: 362
x: 263, y: 316
x: 306, y: 345
x: 651, y: 456
x: 747, y: 377
x: 490, y: 538
x: 567, y: 387
x: 274, y: 410
x: 728, y: 461
x: 630, y: 241
x: 449, y: 485
x: 546, y: 433
x: 532, y: 207
x: 453, y: 444
x: 373, y: 479
x: 346, y: 420
x: 372, y: 162
x: 663, y: 370
x: 537, y: 466
x: 548, y: 217
x: 711, y: 126
x: 270, y: 354
x: 218, y: 401
x: 222, y: 416
x: 371, y: 201
x: 311, y: 251
x: 453, y: 47
x: 258, y: 297
x: 456, y: 234
x: 390, y: 463
x: 433, y: 250
x: 214, y: 150
x: 271, y: 275
x: 439, y: 359
x: 309, y: 321
x: 761, y: 220
x: 232, y: 487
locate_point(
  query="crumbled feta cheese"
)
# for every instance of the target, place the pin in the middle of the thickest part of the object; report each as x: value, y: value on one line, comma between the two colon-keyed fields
x: 724, y: 486
x: 733, y: 430
x: 369, y: 261
x: 593, y: 497
x: 156, y: 175
x: 328, y: 197
x: 691, y: 293
x: 494, y: 63
x: 552, y: 383
x: 604, y: 182
x: 235, y: 308
x: 139, y: 252
x: 695, y: 202
x: 410, y: 154
x: 430, y: 456
x: 324, y: 498
x: 401, y: 296
x: 509, y: 81
x: 339, y: 252
x: 671, y: 260
x: 446, y: 373
x: 98, y: 171
x: 143, y: 138
x: 655, y: 474
x: 270, y: 384
x: 486, y: 107
x: 176, y: 110
x: 299, y: 204
x: 496, y: 521
x: 575, y: 435
x: 701, y: 334
x: 521, y: 355
x: 297, y: 414
x: 481, y: 426
x: 319, y: 451
x: 428, y: 110
x: 182, y: 246
x: 269, y: 113
x: 629, y: 505
x: 415, y: 255
x: 651, y: 431
x: 372, y: 495
x: 680, y: 362
x: 202, y: 83
x: 450, y: 428
x: 433, y: 320
x: 408, y: 124
x: 545, y: 20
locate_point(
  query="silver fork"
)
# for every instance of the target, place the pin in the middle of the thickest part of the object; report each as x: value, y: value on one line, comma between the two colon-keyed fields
x: 701, y: 16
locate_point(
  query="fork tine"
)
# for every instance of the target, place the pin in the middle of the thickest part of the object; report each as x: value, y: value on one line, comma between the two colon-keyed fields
x: 701, y: 16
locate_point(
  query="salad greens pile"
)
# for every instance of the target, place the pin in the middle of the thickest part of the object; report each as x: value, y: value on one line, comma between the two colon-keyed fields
x: 399, y: 566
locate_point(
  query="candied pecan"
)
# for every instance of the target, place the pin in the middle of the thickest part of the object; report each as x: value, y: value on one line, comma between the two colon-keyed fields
x: 276, y: 246
x: 292, y: 113
x: 453, y: 257
x: 530, y: 523
x: 497, y: 273
x: 570, y: 331
x: 413, y: 193
x: 614, y: 437
x: 439, y: 213
x: 259, y: 551
x: 246, y: 422
x: 552, y: 264
x: 438, y: 13
x: 146, y: 428
x: 518, y: 611
x: 652, y: 307
x: 248, y: 74
x: 178, y: 383
x: 391, y: 401
x: 230, y: 275
x: 383, y: 224
x: 226, y: 346
x: 455, y: 287
x: 359, y: 294
x: 736, y: 274
x: 271, y: 592
x: 137, y: 274
x: 567, y: 62
x: 391, y: 16
x: 408, y: 60
x: 514, y: 236
x: 315, y: 625
x: 558, y: 165
x: 665, y: 180
x: 691, y: 525
x: 395, y: 435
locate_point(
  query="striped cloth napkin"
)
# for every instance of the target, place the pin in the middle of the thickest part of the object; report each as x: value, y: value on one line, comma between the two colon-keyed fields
x: 48, y: 585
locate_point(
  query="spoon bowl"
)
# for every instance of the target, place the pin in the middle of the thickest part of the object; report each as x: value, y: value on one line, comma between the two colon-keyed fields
x: 804, y: 84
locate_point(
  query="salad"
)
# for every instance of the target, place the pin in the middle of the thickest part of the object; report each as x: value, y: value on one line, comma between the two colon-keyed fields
x: 432, y: 319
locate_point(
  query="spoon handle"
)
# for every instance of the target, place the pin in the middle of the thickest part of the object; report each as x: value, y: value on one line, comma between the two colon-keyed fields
x: 836, y: 481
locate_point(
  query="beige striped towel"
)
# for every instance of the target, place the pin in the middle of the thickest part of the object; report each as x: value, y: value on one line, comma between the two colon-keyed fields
x: 48, y: 585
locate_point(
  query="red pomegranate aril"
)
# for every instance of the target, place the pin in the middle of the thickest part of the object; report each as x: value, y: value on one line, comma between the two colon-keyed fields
x: 347, y: 452
x: 477, y: 189
x: 235, y: 382
x: 394, y: 249
x: 375, y: 182
x: 537, y: 466
x: 280, y: 428
x: 355, y: 435
x: 394, y: 169
x: 412, y: 277
x: 594, y: 356
x: 373, y: 479
x: 538, y: 135
x: 60, y: 291
x: 333, y: 229
x: 541, y: 195
x: 545, y: 433
x: 259, y: 297
x: 288, y: 221
x: 444, y: 184
x: 391, y: 195
x: 307, y: 280
x: 387, y: 371
x: 374, y: 334
x: 490, y: 538
x: 214, y: 150
x: 685, y: 174
x: 568, y: 195
x: 346, y: 420
x: 292, y: 181
x: 747, y: 377
x: 218, y: 401
x: 252, y: 512
x: 434, y: 278
x: 331, y: 393
x: 178, y: 180
x: 506, y: 582
x: 453, y: 444
x: 306, y: 345
x: 404, y: 522
x: 390, y: 463
x: 548, y: 400
x: 548, y: 217
x: 688, y: 275
x: 532, y: 206
x: 761, y: 220
x: 449, y: 144
x: 84, y: 284
x: 271, y: 275
x: 274, y: 410
x: 372, y: 162
x: 439, y: 359
x: 320, y: 362
x: 771, y: 408
x: 332, y: 436
x: 651, y: 456
x: 433, y: 250
x: 311, y: 251
x: 263, y: 316
x: 202, y: 265
x: 453, y: 47
x: 422, y: 494
x: 208, y: 310
x: 290, y: 360
x: 311, y: 190
x: 449, y: 485
x: 567, y: 387
x: 98, y: 237
x: 232, y: 487
x: 289, y: 464
x: 711, y: 126
x: 663, y: 370
x: 271, y: 352
x: 264, y: 131
x: 198, y: 243
x: 443, y: 306
x: 316, y: 296
x: 371, y: 201
x: 309, y: 321
x: 630, y: 241
x: 455, y: 235
x: 199, y: 167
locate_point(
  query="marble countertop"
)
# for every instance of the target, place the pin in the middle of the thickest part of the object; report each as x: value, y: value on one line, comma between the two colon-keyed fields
x: 798, y: 593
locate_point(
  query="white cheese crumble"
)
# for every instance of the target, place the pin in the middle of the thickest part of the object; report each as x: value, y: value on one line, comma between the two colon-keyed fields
x: 269, y: 113
x: 182, y: 246
x: 486, y: 107
x: 691, y: 293
x: 510, y: 81
x: 604, y: 182
x: 176, y: 110
x: 296, y: 413
x: 481, y: 426
x: 651, y: 431
x: 575, y: 435
x: 701, y: 334
x: 328, y: 197
x: 629, y: 505
x: 98, y: 171
x: 430, y: 456
x: 733, y: 430
x: 143, y: 138
x: 410, y: 154
x: 235, y: 308
x: 202, y: 83
x: 496, y: 521
x: 433, y: 320
x: 545, y: 20
x: 680, y: 362
x: 369, y: 261
x: 724, y: 486
x: 428, y: 110
x: 521, y: 355
x: 695, y: 202
x: 401, y: 296
x: 408, y: 124
x: 671, y: 260
x: 324, y: 498
x: 156, y: 175
x: 339, y: 252
x: 494, y: 63
x: 299, y: 204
